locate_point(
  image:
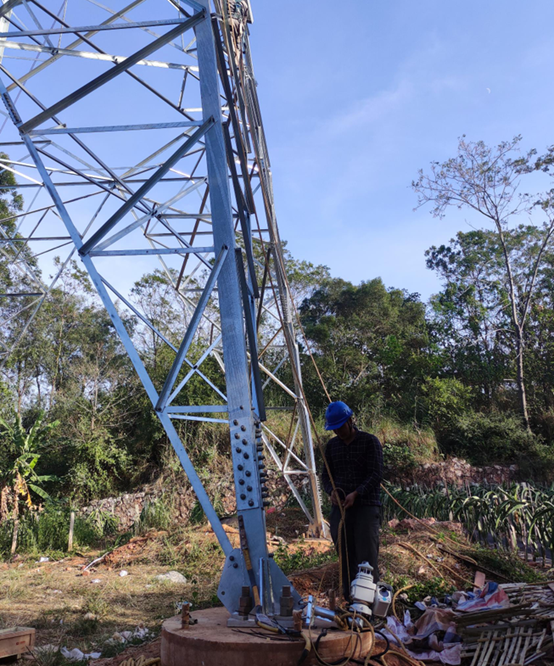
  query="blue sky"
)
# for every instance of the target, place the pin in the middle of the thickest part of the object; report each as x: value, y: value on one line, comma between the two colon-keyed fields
x: 358, y: 95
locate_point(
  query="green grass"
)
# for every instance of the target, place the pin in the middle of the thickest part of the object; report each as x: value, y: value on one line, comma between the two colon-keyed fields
x: 290, y: 561
x: 507, y: 564
x: 436, y: 587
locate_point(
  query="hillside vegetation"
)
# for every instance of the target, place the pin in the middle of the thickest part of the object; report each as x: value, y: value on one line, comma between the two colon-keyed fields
x: 469, y: 373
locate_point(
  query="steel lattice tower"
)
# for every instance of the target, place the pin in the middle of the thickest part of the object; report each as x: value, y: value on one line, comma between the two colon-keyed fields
x: 135, y: 131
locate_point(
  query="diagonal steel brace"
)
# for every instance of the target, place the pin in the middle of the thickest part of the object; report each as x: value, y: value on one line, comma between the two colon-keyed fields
x: 191, y: 330
x: 99, y: 81
x: 141, y: 192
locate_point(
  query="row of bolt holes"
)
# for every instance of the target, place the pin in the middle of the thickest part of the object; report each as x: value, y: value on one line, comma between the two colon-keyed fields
x: 240, y: 467
x: 241, y: 482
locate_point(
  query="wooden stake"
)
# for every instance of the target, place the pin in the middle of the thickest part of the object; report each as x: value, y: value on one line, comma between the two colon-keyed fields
x: 14, y: 536
x: 185, y: 615
x: 71, y: 526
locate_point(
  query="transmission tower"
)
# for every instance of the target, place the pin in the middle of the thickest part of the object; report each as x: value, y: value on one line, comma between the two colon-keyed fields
x: 135, y: 133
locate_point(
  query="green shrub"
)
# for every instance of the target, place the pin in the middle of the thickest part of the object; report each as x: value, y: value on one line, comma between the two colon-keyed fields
x: 436, y: 587
x: 6, y: 531
x: 490, y: 438
x: 52, y: 528
x: 103, y: 523
x: 444, y: 400
x: 38, y: 533
x: 405, y: 446
x: 197, y: 515
x: 514, y: 514
x: 155, y: 515
x: 398, y: 457
x: 47, y: 532
x: 507, y: 564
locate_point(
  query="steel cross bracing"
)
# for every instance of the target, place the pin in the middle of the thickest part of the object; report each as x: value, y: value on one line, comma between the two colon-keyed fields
x: 135, y: 135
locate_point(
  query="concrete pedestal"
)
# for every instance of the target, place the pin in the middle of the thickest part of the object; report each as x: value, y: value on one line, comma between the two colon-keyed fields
x: 212, y: 643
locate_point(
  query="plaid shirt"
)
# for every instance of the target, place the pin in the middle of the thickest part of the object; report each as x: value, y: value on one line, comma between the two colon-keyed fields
x: 355, y: 466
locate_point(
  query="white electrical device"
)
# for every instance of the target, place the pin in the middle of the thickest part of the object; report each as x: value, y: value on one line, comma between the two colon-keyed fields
x: 367, y: 596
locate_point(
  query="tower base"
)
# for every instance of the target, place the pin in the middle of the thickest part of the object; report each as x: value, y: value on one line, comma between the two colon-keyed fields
x: 212, y: 643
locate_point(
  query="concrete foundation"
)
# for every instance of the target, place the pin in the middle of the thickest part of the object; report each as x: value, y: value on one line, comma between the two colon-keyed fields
x: 212, y: 643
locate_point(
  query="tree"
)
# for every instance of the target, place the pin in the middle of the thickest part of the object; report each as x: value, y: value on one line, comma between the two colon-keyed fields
x: 10, y: 203
x: 371, y: 342
x: 164, y: 307
x: 303, y: 276
x: 487, y: 181
x: 18, y: 268
x: 469, y: 318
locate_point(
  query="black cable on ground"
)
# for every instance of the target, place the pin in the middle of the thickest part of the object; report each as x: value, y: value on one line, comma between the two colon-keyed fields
x: 375, y: 656
x: 387, y: 648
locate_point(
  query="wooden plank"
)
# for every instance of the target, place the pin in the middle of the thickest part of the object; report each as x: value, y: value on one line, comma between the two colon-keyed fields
x: 479, y: 580
x: 488, y: 650
x: 504, y: 656
x: 518, y: 646
x: 499, y: 644
x: 528, y: 640
x: 16, y: 640
x: 479, y: 649
x: 511, y: 648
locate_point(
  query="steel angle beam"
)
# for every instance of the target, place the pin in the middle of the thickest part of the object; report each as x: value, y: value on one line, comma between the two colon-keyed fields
x: 21, y: 294
x: 101, y: 80
x: 243, y: 91
x: 114, y: 128
x: 40, y: 67
x: 142, y: 191
x: 6, y: 8
x: 90, y: 28
x: 193, y: 325
x: 151, y: 251
x: 132, y: 352
x: 89, y: 55
x: 251, y: 334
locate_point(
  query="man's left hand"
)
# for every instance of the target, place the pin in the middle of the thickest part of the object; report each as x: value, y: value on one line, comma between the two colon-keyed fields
x: 350, y: 499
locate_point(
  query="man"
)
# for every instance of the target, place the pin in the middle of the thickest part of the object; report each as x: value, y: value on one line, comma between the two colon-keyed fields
x: 355, y: 464
x: 237, y: 11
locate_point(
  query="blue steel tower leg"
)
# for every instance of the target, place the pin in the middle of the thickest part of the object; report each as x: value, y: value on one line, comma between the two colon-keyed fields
x: 243, y: 419
x: 138, y: 217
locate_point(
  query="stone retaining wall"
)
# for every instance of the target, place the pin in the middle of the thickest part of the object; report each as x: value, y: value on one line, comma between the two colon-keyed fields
x: 129, y: 506
x: 457, y: 472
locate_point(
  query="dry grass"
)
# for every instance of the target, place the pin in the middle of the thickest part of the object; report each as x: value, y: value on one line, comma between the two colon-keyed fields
x: 400, y: 566
x: 56, y: 598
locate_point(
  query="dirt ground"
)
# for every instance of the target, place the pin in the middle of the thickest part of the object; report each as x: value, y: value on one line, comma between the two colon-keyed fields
x: 75, y: 608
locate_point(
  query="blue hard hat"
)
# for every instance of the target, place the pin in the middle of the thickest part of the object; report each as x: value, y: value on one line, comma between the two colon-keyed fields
x: 336, y: 415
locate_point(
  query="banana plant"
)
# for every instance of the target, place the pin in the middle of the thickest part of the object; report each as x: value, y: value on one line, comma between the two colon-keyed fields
x: 21, y: 451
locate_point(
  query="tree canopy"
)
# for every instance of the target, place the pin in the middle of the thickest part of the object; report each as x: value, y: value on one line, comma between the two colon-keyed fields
x: 474, y: 364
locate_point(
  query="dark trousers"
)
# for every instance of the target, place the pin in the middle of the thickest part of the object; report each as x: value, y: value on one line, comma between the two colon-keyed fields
x: 360, y: 539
